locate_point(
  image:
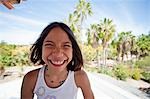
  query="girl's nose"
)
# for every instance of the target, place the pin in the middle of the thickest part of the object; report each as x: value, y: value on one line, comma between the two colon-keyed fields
x: 58, y: 52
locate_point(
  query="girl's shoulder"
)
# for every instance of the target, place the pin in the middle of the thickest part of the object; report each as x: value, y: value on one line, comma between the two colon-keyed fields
x: 29, y: 82
x: 81, y: 78
x: 80, y: 73
x: 31, y: 77
x: 32, y: 74
x: 82, y: 81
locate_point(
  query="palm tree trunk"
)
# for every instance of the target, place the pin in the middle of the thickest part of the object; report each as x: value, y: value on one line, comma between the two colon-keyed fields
x: 98, y: 58
x: 104, y: 57
x: 105, y: 54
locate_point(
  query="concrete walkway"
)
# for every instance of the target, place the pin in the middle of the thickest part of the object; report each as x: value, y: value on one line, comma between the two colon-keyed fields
x: 102, y: 88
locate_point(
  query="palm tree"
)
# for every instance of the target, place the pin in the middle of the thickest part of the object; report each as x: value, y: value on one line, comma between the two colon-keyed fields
x: 92, y: 33
x: 125, y: 44
x: 75, y: 19
x: 134, y: 47
x: 82, y: 10
x: 72, y: 23
x: 107, y: 30
x: 93, y: 39
x: 104, y: 32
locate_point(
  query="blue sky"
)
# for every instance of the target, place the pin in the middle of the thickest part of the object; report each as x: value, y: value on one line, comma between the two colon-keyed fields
x: 23, y: 24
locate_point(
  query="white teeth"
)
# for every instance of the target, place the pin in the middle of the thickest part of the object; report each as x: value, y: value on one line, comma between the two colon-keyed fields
x: 57, y: 62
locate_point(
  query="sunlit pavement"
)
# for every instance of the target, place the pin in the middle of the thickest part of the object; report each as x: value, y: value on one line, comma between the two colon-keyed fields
x: 10, y: 90
x: 103, y: 89
x: 106, y: 90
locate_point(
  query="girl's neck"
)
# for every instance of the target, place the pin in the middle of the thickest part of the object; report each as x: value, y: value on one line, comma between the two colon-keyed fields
x: 55, y: 74
x: 55, y: 78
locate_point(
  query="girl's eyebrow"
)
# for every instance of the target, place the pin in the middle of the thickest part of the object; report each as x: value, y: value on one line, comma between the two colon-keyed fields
x: 67, y: 42
x: 48, y: 41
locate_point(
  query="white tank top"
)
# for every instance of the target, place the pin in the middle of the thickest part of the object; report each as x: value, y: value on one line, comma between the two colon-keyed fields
x: 68, y: 90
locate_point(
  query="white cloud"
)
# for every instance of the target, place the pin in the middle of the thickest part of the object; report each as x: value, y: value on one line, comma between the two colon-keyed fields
x: 22, y: 20
x: 19, y: 36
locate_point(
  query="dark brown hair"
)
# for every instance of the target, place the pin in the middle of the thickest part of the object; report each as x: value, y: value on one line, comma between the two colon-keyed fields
x: 36, y: 49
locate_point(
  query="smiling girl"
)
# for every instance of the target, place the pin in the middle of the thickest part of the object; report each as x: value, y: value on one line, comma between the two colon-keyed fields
x: 61, y: 74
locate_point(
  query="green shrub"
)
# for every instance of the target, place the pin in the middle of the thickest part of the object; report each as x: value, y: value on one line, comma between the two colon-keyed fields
x: 89, y: 53
x: 92, y: 69
x: 106, y: 71
x: 14, y: 55
x: 146, y: 76
x: 136, y: 74
x: 121, y: 72
x: 143, y: 63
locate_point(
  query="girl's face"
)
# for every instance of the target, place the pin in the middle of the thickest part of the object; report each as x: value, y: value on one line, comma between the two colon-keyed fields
x: 57, y: 49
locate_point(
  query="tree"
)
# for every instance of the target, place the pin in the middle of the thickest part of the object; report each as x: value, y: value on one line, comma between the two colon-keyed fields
x: 83, y: 9
x: 72, y: 22
x: 125, y: 44
x: 93, y: 39
x: 107, y: 30
x: 75, y: 20
x: 143, y: 43
x: 104, y: 31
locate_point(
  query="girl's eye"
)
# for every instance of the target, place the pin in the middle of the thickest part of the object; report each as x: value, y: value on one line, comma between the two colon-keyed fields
x: 49, y: 45
x: 67, y: 46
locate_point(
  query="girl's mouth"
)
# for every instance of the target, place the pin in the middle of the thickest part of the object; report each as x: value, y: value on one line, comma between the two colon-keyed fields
x: 57, y: 63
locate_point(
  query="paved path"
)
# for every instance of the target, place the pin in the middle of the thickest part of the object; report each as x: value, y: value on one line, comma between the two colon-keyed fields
x: 106, y: 90
x: 102, y: 88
